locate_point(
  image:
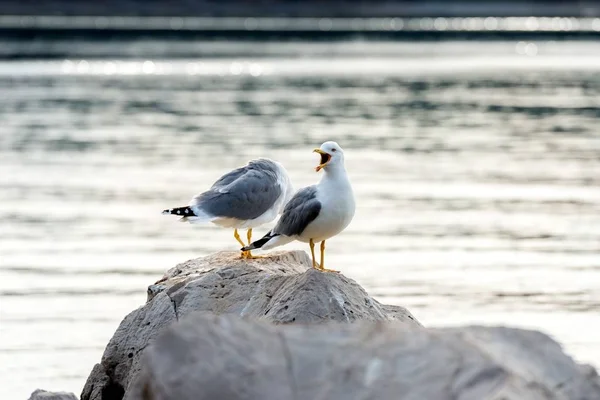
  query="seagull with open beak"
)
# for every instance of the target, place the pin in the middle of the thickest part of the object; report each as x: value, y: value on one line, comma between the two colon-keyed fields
x: 318, y: 212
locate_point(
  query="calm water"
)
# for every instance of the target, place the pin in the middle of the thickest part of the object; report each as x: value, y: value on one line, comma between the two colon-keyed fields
x: 476, y: 167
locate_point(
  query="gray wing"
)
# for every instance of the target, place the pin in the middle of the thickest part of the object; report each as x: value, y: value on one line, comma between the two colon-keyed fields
x: 300, y: 211
x: 244, y: 193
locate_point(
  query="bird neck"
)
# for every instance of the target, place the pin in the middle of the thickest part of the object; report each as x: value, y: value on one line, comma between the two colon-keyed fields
x: 335, y: 174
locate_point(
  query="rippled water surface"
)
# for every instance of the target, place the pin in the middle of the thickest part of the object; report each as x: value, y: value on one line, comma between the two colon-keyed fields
x: 476, y: 167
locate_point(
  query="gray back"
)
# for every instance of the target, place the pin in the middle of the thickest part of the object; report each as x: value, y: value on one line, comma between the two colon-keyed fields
x: 244, y: 193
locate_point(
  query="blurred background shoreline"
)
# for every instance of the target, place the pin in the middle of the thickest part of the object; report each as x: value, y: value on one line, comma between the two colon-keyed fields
x: 312, y: 8
x: 254, y: 21
x: 36, y: 37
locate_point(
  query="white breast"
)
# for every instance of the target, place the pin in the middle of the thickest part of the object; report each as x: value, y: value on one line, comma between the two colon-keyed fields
x: 337, y: 211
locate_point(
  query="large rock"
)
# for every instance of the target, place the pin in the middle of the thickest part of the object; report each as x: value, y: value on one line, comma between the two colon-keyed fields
x: 210, y: 357
x: 281, y: 288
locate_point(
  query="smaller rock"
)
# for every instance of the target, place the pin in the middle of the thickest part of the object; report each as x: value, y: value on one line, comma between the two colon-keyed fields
x: 206, y: 357
x: 40, y: 394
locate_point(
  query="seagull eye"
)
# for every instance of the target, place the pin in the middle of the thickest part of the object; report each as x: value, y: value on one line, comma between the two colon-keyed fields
x: 333, y: 150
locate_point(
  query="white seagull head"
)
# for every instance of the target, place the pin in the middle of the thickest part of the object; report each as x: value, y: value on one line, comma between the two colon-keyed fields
x: 332, y: 155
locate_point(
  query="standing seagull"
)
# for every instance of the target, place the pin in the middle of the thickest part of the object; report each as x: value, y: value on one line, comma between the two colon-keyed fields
x: 316, y: 212
x: 246, y: 197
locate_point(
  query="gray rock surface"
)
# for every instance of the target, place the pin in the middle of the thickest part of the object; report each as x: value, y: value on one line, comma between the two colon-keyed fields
x: 40, y: 394
x: 280, y: 288
x: 222, y: 357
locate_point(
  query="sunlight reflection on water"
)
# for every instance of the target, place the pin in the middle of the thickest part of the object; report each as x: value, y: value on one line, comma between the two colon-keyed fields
x: 475, y: 167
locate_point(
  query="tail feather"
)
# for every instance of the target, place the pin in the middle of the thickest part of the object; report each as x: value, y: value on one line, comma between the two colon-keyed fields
x: 260, y: 242
x: 181, y: 211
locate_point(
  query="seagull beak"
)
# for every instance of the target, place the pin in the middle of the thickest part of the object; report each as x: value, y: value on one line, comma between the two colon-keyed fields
x: 325, y: 158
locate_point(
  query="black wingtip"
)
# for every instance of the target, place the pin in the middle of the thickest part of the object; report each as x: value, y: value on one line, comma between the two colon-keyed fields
x: 259, y: 243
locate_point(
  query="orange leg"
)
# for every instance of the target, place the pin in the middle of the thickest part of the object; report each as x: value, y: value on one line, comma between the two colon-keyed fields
x: 249, y: 253
x: 322, y: 267
x: 237, y: 237
x: 312, y: 253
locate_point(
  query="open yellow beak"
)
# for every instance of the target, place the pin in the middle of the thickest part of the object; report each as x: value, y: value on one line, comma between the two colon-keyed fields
x: 325, y: 158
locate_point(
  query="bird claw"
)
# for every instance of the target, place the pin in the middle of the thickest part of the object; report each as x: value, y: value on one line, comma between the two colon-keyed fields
x: 328, y: 270
x: 247, y: 255
x: 319, y: 268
